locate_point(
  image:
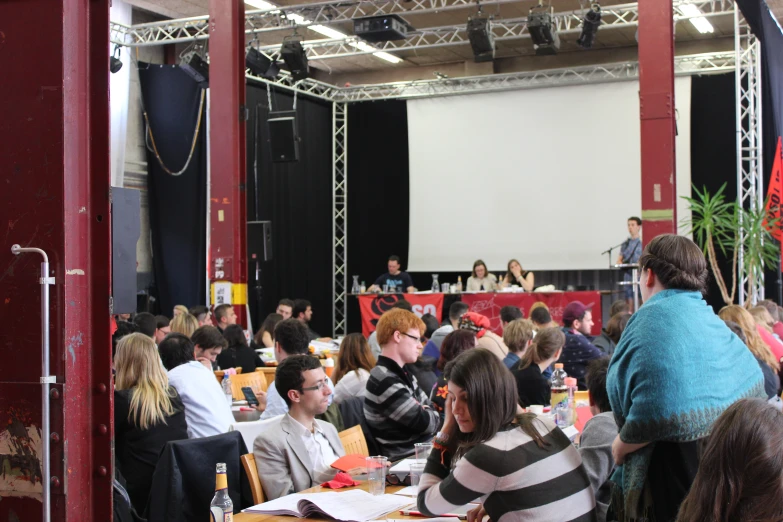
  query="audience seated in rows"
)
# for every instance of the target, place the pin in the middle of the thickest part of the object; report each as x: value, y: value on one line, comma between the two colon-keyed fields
x: 148, y: 413
x: 741, y: 323
x: 265, y: 337
x: 398, y: 412
x: 518, y: 335
x: 619, y: 306
x: 163, y: 328
x: 578, y: 350
x: 423, y: 369
x: 291, y: 338
x: 509, y: 313
x: 403, y: 304
x: 595, y: 443
x: 202, y: 315
x: 206, y: 409
x: 285, y: 308
x: 676, y: 369
x: 739, y: 473
x: 519, y: 466
x: 454, y: 344
x: 237, y: 352
x: 303, y: 311
x: 225, y: 316
x: 352, y: 367
x: 456, y: 310
x: 179, y: 309
x: 431, y: 351
x: 184, y: 324
x: 123, y: 328
x: 487, y: 339
x: 208, y: 343
x: 481, y: 280
x: 295, y: 451
x: 146, y: 323
x: 764, y: 320
x: 532, y: 386
x: 610, y: 336
x: 774, y: 312
x: 540, y: 316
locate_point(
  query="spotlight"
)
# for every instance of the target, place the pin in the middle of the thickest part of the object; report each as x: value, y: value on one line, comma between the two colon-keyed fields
x: 115, y: 64
x: 590, y: 25
x: 261, y: 65
x: 195, y: 66
x: 481, y: 39
x: 295, y: 57
x: 542, y: 30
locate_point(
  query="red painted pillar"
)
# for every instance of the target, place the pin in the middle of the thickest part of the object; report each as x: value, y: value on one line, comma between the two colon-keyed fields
x: 227, y: 249
x: 54, y: 168
x: 656, y: 96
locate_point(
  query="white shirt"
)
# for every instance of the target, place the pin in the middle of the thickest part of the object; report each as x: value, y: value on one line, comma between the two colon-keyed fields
x: 321, y: 453
x: 351, y: 385
x: 207, y: 411
x: 275, y: 405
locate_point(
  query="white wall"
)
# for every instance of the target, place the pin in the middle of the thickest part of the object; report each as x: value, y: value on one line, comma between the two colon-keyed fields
x: 548, y: 176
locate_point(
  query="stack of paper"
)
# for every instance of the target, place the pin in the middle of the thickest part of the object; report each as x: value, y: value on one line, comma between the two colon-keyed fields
x: 354, y: 505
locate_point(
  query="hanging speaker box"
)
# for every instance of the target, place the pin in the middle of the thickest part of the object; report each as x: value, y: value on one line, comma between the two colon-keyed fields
x: 283, y: 139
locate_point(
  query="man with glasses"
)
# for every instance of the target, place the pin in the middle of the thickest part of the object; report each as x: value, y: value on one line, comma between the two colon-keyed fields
x: 295, y: 451
x: 397, y: 410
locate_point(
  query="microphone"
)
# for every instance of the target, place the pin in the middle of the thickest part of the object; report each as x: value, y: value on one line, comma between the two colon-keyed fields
x: 609, y: 250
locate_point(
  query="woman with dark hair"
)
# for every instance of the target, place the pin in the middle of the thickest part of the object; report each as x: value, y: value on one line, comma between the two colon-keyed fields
x: 516, y: 275
x: 238, y: 352
x: 532, y: 386
x: 676, y: 369
x: 740, y: 475
x: 352, y: 367
x: 480, y: 279
x: 521, y: 466
x: 610, y: 336
x: 454, y: 344
x: 265, y: 337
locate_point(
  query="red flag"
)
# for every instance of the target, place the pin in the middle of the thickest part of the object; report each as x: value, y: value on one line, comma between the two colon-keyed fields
x: 775, y: 194
x: 373, y: 306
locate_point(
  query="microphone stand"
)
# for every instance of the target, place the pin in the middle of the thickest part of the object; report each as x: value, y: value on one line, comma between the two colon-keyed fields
x: 609, y: 252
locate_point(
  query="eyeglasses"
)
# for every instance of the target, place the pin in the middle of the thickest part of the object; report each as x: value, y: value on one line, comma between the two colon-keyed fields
x: 417, y: 339
x: 317, y: 387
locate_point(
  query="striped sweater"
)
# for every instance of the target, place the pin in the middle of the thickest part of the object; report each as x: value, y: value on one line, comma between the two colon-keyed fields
x: 394, y: 407
x: 514, y: 478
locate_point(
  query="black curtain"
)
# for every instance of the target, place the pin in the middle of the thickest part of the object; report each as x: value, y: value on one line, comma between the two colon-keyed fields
x: 297, y: 198
x: 177, y: 204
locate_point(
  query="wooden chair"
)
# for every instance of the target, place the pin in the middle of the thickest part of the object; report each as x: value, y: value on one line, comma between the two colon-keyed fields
x: 354, y: 442
x: 249, y: 463
x: 220, y: 373
x: 268, y: 372
x: 254, y: 380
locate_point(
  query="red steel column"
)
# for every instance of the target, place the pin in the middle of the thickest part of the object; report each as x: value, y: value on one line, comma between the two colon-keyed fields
x: 54, y: 167
x: 227, y: 249
x: 656, y: 96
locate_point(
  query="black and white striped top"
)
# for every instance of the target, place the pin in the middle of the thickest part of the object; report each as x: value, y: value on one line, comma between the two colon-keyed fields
x: 515, y: 479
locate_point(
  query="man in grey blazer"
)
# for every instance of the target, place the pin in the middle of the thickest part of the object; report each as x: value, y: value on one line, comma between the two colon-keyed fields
x: 295, y: 451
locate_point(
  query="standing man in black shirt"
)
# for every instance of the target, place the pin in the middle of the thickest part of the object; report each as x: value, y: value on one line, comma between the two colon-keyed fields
x: 395, y: 277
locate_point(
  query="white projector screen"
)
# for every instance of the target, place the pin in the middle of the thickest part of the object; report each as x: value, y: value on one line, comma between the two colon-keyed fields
x: 548, y: 176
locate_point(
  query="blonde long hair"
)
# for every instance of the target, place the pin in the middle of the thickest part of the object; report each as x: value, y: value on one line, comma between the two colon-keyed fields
x: 185, y: 324
x: 139, y: 369
x: 755, y: 343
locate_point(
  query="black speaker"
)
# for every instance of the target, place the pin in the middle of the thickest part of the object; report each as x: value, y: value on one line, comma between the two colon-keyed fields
x: 283, y: 139
x: 481, y: 39
x: 125, y: 232
x: 295, y: 57
x: 196, y: 67
x: 259, y: 240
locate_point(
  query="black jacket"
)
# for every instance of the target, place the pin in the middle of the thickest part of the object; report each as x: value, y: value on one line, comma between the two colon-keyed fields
x: 242, y: 356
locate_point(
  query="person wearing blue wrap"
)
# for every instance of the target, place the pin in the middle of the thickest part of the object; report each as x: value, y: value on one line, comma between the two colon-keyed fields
x: 676, y: 368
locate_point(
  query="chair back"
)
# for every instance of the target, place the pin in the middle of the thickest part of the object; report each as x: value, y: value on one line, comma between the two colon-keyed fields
x: 220, y: 373
x: 250, y: 430
x: 249, y: 463
x: 268, y: 372
x: 253, y: 379
x: 354, y: 442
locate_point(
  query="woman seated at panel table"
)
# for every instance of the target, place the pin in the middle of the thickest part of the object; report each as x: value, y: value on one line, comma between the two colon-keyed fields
x: 481, y: 280
x: 516, y: 275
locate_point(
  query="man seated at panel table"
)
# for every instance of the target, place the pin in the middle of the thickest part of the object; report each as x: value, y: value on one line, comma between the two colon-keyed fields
x: 206, y: 410
x: 295, y: 451
x: 291, y: 338
x: 400, y: 280
x: 398, y: 412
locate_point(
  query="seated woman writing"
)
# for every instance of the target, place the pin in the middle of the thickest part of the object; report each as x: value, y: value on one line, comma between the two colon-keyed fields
x: 481, y: 280
x: 516, y: 275
x: 519, y: 466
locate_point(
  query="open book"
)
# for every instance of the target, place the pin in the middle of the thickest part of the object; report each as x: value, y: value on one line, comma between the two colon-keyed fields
x: 354, y: 505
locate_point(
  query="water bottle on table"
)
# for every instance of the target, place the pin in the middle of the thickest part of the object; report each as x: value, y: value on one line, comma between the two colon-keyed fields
x: 227, y: 388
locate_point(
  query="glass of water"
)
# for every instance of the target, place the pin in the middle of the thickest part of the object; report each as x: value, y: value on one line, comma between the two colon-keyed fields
x: 376, y: 474
x: 423, y: 450
x: 416, y: 470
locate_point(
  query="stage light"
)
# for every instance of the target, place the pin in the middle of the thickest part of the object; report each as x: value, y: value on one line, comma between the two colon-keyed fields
x: 115, y: 64
x: 295, y: 58
x: 481, y: 39
x: 542, y: 30
x: 195, y: 66
x: 261, y: 65
x: 697, y: 18
x: 590, y: 25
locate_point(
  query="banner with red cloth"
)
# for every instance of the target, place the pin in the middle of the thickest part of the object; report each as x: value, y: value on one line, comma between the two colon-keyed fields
x: 775, y: 194
x: 490, y: 305
x: 372, y: 306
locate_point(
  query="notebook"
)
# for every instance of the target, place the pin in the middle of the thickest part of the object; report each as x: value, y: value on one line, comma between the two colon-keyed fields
x: 349, y: 462
x: 354, y: 505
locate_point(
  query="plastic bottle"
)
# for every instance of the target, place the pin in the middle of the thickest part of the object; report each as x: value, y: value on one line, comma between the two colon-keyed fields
x: 459, y: 284
x: 221, y: 509
x: 362, y: 288
x: 570, y: 383
x: 559, y: 389
x: 227, y: 389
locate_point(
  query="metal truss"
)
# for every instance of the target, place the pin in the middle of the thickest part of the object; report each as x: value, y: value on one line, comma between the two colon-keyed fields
x: 750, y: 173
x: 339, y: 217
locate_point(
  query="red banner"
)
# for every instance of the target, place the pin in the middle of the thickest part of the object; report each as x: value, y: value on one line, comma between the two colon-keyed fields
x: 490, y: 305
x: 775, y: 194
x: 372, y: 306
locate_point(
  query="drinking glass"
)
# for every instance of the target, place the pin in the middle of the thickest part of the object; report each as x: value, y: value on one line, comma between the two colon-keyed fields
x: 417, y: 469
x: 385, y: 289
x: 423, y: 450
x: 376, y: 474
x: 444, y: 288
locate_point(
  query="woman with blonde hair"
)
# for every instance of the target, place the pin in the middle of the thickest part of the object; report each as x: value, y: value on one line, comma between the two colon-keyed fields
x: 148, y: 413
x: 352, y: 367
x: 185, y: 324
x: 752, y: 330
x: 180, y: 309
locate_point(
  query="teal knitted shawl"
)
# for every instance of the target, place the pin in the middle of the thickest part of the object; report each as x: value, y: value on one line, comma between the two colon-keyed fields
x: 676, y: 368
